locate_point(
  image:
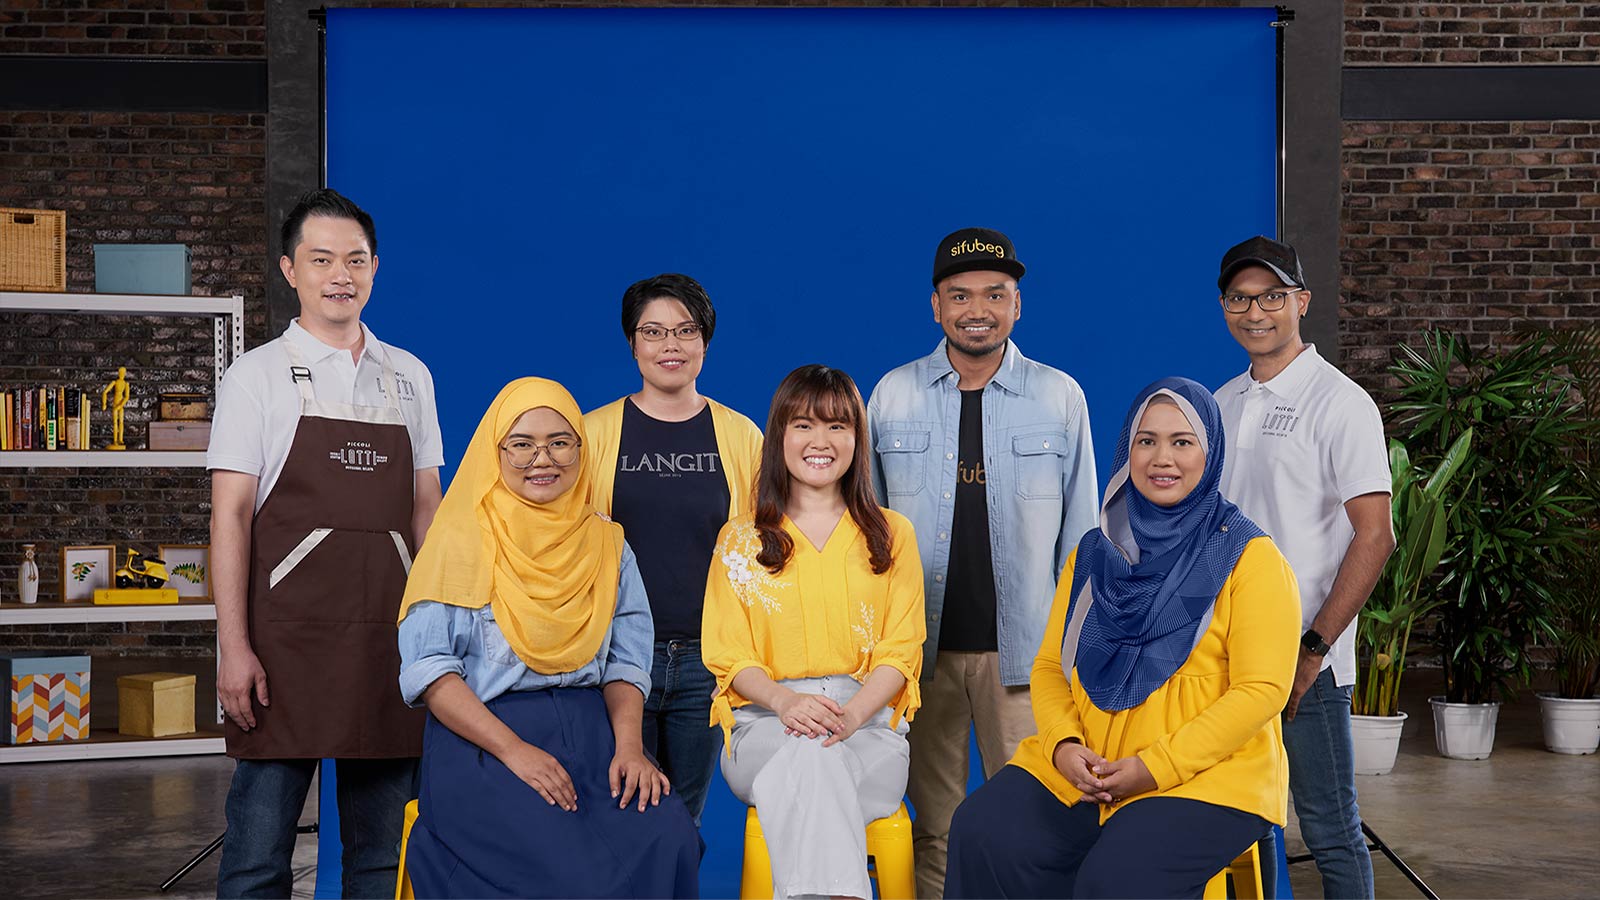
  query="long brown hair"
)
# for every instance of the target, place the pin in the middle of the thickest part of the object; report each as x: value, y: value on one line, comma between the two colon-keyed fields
x: 827, y: 395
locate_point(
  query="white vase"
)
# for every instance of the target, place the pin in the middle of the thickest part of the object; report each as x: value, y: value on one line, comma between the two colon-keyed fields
x: 1571, y: 726
x: 28, y: 576
x: 1377, y: 742
x: 1464, y: 730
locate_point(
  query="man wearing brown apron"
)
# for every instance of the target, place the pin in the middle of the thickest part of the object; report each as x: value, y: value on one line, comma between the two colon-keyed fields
x: 324, y: 456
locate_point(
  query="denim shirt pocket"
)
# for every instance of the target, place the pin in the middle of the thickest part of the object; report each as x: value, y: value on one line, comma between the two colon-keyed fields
x: 903, y: 453
x: 1038, y: 455
x: 496, y: 649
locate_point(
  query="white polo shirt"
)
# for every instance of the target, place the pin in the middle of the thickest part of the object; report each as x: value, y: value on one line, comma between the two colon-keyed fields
x: 1298, y: 448
x: 258, y: 405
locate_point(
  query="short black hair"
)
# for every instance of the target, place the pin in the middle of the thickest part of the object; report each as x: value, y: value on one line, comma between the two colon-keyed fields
x: 669, y: 285
x: 324, y: 202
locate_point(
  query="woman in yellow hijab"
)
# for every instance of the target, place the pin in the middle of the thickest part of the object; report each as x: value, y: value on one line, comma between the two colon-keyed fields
x: 526, y: 633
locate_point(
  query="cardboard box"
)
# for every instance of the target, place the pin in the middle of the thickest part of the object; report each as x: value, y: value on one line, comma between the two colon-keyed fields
x: 184, y: 407
x: 180, y: 435
x: 141, y: 269
x: 49, y: 697
x: 155, y: 704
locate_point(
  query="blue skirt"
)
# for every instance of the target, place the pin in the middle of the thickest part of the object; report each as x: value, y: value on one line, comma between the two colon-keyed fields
x: 483, y: 832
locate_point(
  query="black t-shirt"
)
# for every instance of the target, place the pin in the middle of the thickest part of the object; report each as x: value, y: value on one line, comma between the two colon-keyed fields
x: 969, y: 603
x: 671, y: 497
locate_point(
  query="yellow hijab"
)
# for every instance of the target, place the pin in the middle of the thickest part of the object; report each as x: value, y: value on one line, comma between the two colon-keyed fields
x: 550, y: 570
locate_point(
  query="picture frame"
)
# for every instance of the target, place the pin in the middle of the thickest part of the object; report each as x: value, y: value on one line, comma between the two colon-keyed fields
x: 85, y: 569
x: 188, y: 569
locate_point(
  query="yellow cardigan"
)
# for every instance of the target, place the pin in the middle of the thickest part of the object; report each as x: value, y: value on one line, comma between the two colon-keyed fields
x: 1212, y: 732
x: 738, y: 443
x: 824, y: 614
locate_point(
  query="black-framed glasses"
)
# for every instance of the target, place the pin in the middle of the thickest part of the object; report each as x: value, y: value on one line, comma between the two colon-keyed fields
x: 688, y: 331
x: 521, y: 452
x: 1269, y: 301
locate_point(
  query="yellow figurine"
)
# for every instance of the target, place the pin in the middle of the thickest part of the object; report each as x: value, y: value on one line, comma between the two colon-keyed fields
x: 118, y: 389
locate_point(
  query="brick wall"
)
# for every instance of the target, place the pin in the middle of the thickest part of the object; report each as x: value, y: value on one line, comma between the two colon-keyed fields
x: 191, y: 178
x: 217, y: 29
x: 1471, y: 32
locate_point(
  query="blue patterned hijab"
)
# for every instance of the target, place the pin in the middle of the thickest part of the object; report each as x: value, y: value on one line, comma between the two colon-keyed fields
x: 1153, y: 572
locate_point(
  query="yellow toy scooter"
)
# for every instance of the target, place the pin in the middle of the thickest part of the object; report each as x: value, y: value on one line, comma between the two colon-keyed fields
x: 142, y: 571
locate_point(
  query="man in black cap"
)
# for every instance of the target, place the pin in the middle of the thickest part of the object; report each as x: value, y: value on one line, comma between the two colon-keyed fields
x: 1306, y: 460
x: 988, y: 454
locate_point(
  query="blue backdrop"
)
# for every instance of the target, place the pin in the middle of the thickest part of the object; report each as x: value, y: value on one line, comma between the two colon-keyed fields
x: 524, y: 166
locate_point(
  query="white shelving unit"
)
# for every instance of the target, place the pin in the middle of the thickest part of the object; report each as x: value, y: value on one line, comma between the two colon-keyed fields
x: 227, y: 334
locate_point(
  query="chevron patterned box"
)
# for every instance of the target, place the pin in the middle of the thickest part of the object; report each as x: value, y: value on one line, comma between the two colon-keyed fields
x: 49, y: 697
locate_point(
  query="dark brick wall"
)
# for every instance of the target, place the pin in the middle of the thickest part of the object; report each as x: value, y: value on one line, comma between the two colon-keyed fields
x: 216, y: 29
x: 1476, y: 227
x: 1469, y: 32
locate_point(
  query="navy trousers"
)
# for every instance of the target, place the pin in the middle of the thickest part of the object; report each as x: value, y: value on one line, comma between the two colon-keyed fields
x: 1013, y: 838
x: 482, y: 832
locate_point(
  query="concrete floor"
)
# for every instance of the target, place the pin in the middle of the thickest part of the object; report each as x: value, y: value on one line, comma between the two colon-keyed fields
x: 1523, y: 823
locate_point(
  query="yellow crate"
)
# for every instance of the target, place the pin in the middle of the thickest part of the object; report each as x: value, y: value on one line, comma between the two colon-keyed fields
x: 33, y: 249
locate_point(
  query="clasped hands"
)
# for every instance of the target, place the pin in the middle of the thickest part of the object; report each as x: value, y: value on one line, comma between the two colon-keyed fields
x: 1102, y: 781
x: 814, y: 716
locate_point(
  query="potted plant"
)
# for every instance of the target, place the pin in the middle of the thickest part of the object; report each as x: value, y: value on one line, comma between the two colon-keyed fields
x: 1571, y: 714
x: 1512, y: 513
x: 1383, y: 631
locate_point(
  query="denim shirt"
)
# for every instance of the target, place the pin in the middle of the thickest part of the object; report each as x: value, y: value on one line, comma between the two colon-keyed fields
x: 1039, y: 471
x: 437, y: 639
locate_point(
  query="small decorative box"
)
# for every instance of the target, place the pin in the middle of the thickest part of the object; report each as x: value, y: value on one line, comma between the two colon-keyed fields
x: 184, y: 407
x: 180, y: 435
x: 155, y: 704
x: 49, y: 697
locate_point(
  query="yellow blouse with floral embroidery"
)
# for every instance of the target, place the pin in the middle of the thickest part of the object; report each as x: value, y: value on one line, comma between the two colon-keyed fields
x: 826, y: 613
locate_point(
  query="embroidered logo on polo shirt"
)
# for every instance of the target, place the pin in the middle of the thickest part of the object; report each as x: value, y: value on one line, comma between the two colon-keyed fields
x: 1280, y: 421
x: 358, y: 456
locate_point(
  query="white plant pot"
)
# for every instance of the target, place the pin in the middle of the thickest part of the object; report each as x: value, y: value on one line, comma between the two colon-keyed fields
x: 1464, y: 730
x: 1570, y: 726
x: 1377, y: 742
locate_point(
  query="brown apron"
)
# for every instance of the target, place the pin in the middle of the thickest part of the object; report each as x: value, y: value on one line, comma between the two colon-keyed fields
x: 330, y: 550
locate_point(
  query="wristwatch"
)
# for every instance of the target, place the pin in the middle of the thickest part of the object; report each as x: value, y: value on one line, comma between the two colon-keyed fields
x: 1314, y: 643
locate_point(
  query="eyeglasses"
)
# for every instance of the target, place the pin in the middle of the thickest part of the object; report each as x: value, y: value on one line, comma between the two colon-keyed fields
x: 686, y: 332
x: 1269, y: 301
x: 521, y: 452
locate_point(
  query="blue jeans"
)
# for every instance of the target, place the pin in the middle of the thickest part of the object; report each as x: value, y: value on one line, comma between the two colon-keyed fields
x: 1323, y: 783
x: 263, y: 809
x: 677, y: 721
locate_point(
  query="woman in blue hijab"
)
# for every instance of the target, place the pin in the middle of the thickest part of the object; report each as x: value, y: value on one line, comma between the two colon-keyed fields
x: 1169, y: 655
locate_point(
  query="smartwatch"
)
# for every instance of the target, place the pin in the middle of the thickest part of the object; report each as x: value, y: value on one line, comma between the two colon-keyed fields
x: 1313, y: 643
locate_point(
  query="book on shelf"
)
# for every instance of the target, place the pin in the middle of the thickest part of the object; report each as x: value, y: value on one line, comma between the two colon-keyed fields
x: 49, y: 419
x: 45, y: 418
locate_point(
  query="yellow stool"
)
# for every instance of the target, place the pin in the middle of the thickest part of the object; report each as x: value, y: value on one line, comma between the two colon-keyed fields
x: 402, y: 885
x: 888, y: 858
x: 1246, y: 872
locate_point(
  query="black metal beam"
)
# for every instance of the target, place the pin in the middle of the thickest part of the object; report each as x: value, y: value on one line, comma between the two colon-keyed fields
x: 1470, y: 93
x: 132, y: 84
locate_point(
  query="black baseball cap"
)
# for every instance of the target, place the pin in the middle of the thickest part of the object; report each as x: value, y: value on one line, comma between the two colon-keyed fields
x: 1262, y: 251
x: 975, y: 250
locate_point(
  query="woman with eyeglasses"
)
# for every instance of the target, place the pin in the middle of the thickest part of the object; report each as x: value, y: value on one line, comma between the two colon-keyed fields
x: 526, y: 633
x: 672, y: 465
x: 814, y: 630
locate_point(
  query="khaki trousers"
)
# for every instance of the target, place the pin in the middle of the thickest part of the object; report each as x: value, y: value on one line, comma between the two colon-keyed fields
x: 965, y: 692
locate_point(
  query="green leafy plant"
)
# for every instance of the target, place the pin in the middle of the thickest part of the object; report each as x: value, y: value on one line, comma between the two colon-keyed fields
x: 1517, y: 508
x: 1383, y: 633
x: 1576, y: 588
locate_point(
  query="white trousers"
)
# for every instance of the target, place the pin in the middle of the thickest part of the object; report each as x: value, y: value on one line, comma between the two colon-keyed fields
x: 815, y: 802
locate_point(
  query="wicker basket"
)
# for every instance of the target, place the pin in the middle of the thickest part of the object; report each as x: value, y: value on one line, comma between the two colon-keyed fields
x: 33, y: 250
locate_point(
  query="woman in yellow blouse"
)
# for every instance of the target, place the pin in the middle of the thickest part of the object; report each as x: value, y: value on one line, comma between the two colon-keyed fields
x: 813, y: 628
x: 1169, y: 655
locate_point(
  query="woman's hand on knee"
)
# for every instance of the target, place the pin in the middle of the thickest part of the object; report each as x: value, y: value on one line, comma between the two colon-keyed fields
x: 632, y: 771
x: 812, y: 715
x: 540, y: 771
x: 1078, y: 763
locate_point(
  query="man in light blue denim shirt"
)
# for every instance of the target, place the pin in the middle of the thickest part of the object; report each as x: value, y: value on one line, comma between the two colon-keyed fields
x: 988, y: 454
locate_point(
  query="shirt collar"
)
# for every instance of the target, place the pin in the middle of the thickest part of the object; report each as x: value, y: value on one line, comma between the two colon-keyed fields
x: 316, y: 351
x: 1009, y: 377
x: 1295, y: 376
